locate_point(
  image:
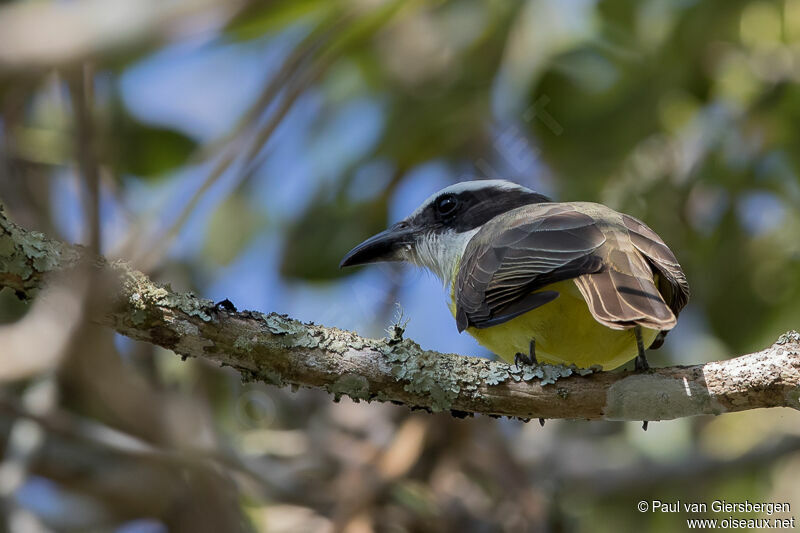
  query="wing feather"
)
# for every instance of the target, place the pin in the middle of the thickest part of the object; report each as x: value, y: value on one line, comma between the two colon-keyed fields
x: 518, y: 253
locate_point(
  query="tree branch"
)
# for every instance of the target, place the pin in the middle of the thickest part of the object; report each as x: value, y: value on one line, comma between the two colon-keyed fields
x: 278, y: 350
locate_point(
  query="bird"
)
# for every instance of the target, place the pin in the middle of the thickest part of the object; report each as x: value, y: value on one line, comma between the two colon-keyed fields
x: 536, y: 281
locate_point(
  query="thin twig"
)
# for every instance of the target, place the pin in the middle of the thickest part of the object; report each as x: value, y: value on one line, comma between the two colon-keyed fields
x: 82, y: 96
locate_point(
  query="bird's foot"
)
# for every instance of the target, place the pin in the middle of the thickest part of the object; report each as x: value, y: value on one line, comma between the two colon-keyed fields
x: 527, y: 359
x: 641, y: 363
x: 522, y: 359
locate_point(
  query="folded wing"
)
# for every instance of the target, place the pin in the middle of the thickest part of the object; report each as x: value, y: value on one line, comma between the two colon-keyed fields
x: 518, y: 253
x: 625, y: 272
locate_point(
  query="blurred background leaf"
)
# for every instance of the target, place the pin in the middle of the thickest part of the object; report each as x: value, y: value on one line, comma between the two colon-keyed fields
x: 145, y: 151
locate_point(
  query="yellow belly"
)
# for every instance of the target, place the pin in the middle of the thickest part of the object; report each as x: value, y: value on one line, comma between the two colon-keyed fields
x: 565, y: 333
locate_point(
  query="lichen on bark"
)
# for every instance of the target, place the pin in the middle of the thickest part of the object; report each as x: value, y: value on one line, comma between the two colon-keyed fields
x: 281, y: 351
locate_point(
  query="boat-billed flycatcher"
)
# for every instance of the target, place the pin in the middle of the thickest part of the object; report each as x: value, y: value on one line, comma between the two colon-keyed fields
x: 563, y: 282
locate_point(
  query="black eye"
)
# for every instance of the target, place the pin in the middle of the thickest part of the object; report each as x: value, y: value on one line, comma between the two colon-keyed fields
x: 446, y: 205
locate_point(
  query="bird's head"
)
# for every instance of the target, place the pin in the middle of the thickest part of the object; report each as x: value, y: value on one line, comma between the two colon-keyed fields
x: 437, y: 232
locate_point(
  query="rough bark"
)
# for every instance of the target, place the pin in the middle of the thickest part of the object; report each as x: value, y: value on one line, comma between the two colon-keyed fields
x: 281, y: 351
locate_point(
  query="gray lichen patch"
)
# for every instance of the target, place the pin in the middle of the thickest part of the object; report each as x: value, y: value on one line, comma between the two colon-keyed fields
x: 651, y: 397
x: 282, y: 324
x: 292, y: 333
x: 430, y: 374
x: 189, y: 304
x: 440, y: 377
x: 7, y: 246
x: 546, y: 374
x: 352, y: 385
x: 245, y: 343
x: 295, y: 334
x: 12, y: 261
x: 443, y: 377
x: 43, y: 255
x: 789, y: 337
x: 185, y: 328
x: 494, y: 374
x: 143, y: 297
x: 24, y: 254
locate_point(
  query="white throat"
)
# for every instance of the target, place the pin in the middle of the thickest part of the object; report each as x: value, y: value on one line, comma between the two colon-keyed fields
x: 441, y: 253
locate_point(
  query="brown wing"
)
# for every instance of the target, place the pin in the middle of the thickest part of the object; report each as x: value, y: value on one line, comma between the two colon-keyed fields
x: 518, y: 253
x: 672, y: 281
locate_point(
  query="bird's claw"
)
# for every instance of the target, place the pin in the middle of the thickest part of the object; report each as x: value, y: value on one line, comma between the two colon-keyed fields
x: 527, y: 359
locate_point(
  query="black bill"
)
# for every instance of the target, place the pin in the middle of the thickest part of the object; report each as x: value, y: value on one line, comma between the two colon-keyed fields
x: 381, y: 247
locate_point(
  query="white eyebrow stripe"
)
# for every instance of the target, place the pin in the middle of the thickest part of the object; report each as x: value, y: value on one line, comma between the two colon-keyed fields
x: 474, y: 185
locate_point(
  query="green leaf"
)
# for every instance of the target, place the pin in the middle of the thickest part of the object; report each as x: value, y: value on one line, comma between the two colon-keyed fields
x: 146, y: 150
x: 151, y: 151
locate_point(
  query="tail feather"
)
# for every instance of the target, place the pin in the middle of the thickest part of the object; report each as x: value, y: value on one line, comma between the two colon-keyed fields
x: 621, y: 299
